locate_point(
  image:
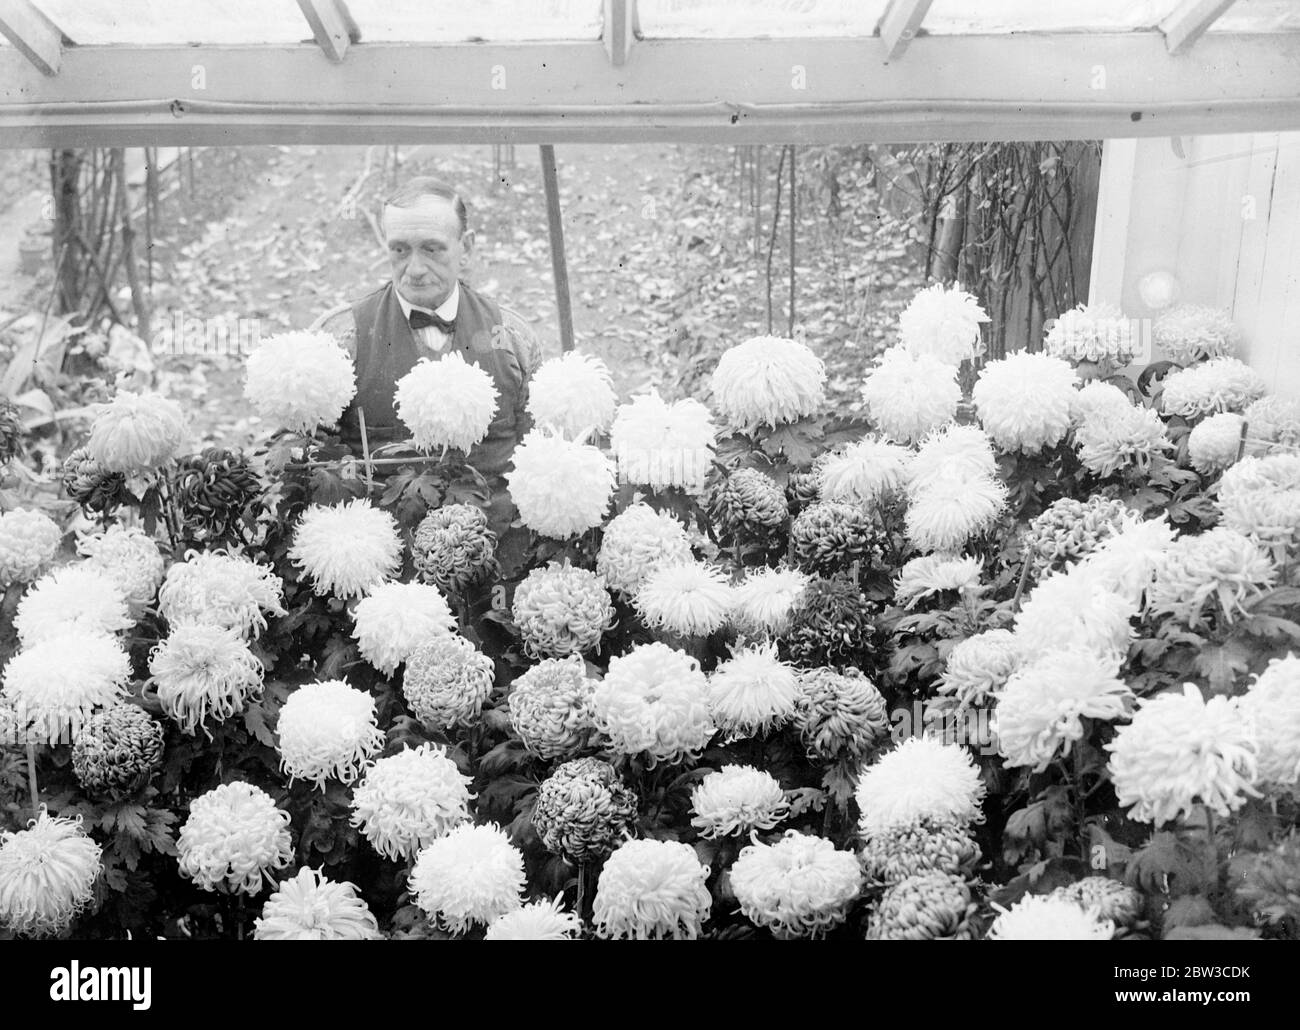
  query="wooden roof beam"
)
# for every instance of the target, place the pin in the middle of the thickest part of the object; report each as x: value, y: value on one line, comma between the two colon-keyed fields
x: 619, y: 32
x: 332, y: 25
x: 900, y: 24
x: 33, y: 34
x: 1187, y: 22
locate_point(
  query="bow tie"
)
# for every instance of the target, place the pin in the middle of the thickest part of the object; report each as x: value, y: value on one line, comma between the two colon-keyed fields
x: 424, y: 319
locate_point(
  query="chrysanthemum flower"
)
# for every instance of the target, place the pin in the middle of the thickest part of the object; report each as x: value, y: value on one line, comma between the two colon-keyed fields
x: 471, y: 874
x: 117, y: 750
x: 921, y: 778
x: 211, y: 588
x: 1125, y: 562
x: 562, y: 610
x: 47, y: 875
x: 654, y: 700
x: 394, y: 619
x: 943, y: 323
x: 652, y: 890
x: 1275, y: 419
x: 863, y: 472
x: 1069, y: 529
x: 839, y: 714
x: 1024, y: 401
x: 550, y: 707
x: 763, y: 601
x: 91, y: 485
x: 204, y: 672
x: 562, y: 488
x: 446, y: 402
x: 737, y: 800
x: 1192, y: 332
x: 800, y: 886
x: 928, y: 906
x: 299, y: 380
x: 956, y: 451
x: 447, y: 680
x: 1075, y: 610
x: 920, y: 846
x: 1210, y: 575
x: 803, y: 487
x: 768, y: 380
x: 747, y: 505
x: 454, y: 548
x: 1212, y: 445
x: 348, y: 548
x: 1042, y: 917
x: 536, y: 921
x: 29, y: 540
x: 1091, y: 333
x: 1220, y: 384
x: 948, y: 511
x: 637, y: 541
x: 136, y: 433
x: 572, y: 393
x: 932, y: 574
x: 1260, y: 498
x: 1181, y: 750
x: 689, y: 599
x: 829, y: 536
x: 833, y: 623
x: 216, y: 494
x: 234, y: 839
x: 979, y: 666
x: 326, y: 730
x: 911, y: 395
x: 583, y: 810
x: 311, y: 907
x: 1097, y: 399
x: 71, y: 599
x: 55, y: 686
x: 663, y: 445
x: 1273, y: 704
x: 1109, y: 899
x: 408, y: 799
x: 752, y: 692
x: 130, y: 557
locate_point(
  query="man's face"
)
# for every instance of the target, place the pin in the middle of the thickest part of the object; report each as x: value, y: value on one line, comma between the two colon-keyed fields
x: 426, y: 249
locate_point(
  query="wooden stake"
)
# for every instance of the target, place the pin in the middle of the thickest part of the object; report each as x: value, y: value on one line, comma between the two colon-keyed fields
x: 365, y: 452
x: 559, y: 265
x: 31, y: 779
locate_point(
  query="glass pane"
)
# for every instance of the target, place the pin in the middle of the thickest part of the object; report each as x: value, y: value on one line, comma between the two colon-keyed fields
x: 1260, y: 16
x: 460, y: 20
x: 984, y: 16
x: 178, y: 21
x: 751, y: 19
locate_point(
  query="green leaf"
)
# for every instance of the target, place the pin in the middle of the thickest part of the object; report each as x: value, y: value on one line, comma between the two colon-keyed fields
x: 1224, y: 665
x: 255, y: 721
x: 1173, y: 865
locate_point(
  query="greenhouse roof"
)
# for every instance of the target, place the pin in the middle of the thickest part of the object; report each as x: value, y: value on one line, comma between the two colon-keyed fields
x: 132, y: 72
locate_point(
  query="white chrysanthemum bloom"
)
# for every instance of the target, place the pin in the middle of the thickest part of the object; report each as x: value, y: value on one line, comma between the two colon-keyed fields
x: 562, y: 488
x: 763, y: 602
x: 562, y: 610
x: 955, y: 452
x: 1109, y: 439
x: 636, y: 542
x: 800, y: 886
x: 752, y: 692
x: 948, y: 511
x: 1041, y: 708
x: 409, y: 799
x: 652, y: 890
x: 347, y: 549
x: 863, y: 472
x: 921, y: 778
x: 1221, y: 384
x: 572, y: 393
x: 536, y: 921
x: 53, y: 687
x: 136, y: 433
x: 47, y: 875
x: 1075, y: 610
x: 1091, y: 333
x: 1212, y: 445
x: 72, y: 599
x: 1275, y: 419
x: 654, y: 700
x: 1273, y: 705
x: 943, y: 323
x: 910, y: 395
x: 1215, y: 572
x: 1260, y: 498
x: 216, y: 589
x: 768, y: 380
x: 662, y: 445
x: 311, y: 907
x: 326, y: 730
x: 130, y: 557
x: 29, y: 540
x: 204, y: 672
x: 447, y: 681
x: 299, y: 380
x: 1043, y: 917
x: 1024, y: 401
x: 933, y: 574
x: 1192, y: 332
x: 1125, y: 562
x: 1095, y: 399
x: 737, y: 799
x: 689, y: 598
x: 446, y: 402
x: 550, y: 707
x: 471, y: 874
x: 979, y: 666
x: 234, y: 839
x: 396, y: 618
x: 1181, y: 750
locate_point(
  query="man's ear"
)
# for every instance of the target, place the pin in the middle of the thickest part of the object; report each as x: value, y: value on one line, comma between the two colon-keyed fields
x: 467, y: 247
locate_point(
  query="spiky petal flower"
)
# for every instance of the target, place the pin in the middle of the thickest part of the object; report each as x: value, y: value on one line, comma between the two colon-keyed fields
x: 637, y: 541
x: 662, y: 445
x: 922, y: 845
x: 1275, y: 420
x: 752, y: 692
x: 572, y: 393
x: 117, y: 751
x: 447, y: 680
x: 562, y: 610
x: 471, y: 874
x: 929, y: 906
x: 652, y: 890
x: 562, y: 488
x: 536, y: 921
x: 136, y: 433
x: 55, y: 686
x: 211, y: 588
x: 1125, y: 437
x: 1260, y: 498
x: 1024, y: 401
x: 446, y: 402
x: 839, y: 714
x: 748, y: 506
x: 395, y: 619
x: 216, y: 493
x: 798, y: 887
x: 654, y: 701
x: 829, y: 536
x: 911, y: 395
x: 768, y: 380
x: 764, y: 600
x: 299, y: 380
x: 29, y: 540
x: 1273, y: 704
x: 689, y: 599
x: 1125, y: 562
x: 1191, y: 332
x: 1220, y: 384
x: 204, y: 672
x: 979, y: 666
x: 949, y: 510
x: 943, y: 323
x: 234, y: 839
x: 583, y: 810
x: 47, y: 875
x: 130, y: 557
x: 1109, y: 899
x: 932, y: 574
x: 454, y: 549
x: 1068, y: 529
x: 550, y: 707
x: 921, y: 778
x: 1097, y: 399
x: 1043, y: 917
x: 864, y: 472
x: 1208, y: 577
x: 90, y: 484
x: 408, y: 799
x: 74, y: 598
x: 1091, y: 333
x: 327, y: 729
x: 1075, y: 610
x: 348, y: 548
x: 954, y: 452
x: 737, y: 800
x: 311, y: 907
x: 1212, y: 445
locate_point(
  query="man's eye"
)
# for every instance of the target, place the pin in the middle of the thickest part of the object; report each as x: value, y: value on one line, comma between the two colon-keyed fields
x: 398, y: 248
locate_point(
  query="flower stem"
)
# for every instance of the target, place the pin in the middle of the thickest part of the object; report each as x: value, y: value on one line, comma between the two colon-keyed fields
x: 31, y: 778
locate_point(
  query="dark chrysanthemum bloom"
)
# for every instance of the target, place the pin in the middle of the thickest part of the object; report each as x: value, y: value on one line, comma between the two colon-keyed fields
x: 1069, y: 530
x: 803, y: 489
x: 748, y: 506
x: 829, y: 536
x: 454, y: 548
x: 90, y: 484
x: 928, y: 907
x: 11, y: 431
x: 839, y: 714
x: 923, y: 845
x: 833, y: 624
x: 1113, y: 900
x: 583, y: 810
x: 117, y: 750
x: 216, y: 490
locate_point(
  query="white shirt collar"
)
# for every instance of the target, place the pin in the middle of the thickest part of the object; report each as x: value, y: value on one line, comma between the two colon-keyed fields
x: 446, y: 310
